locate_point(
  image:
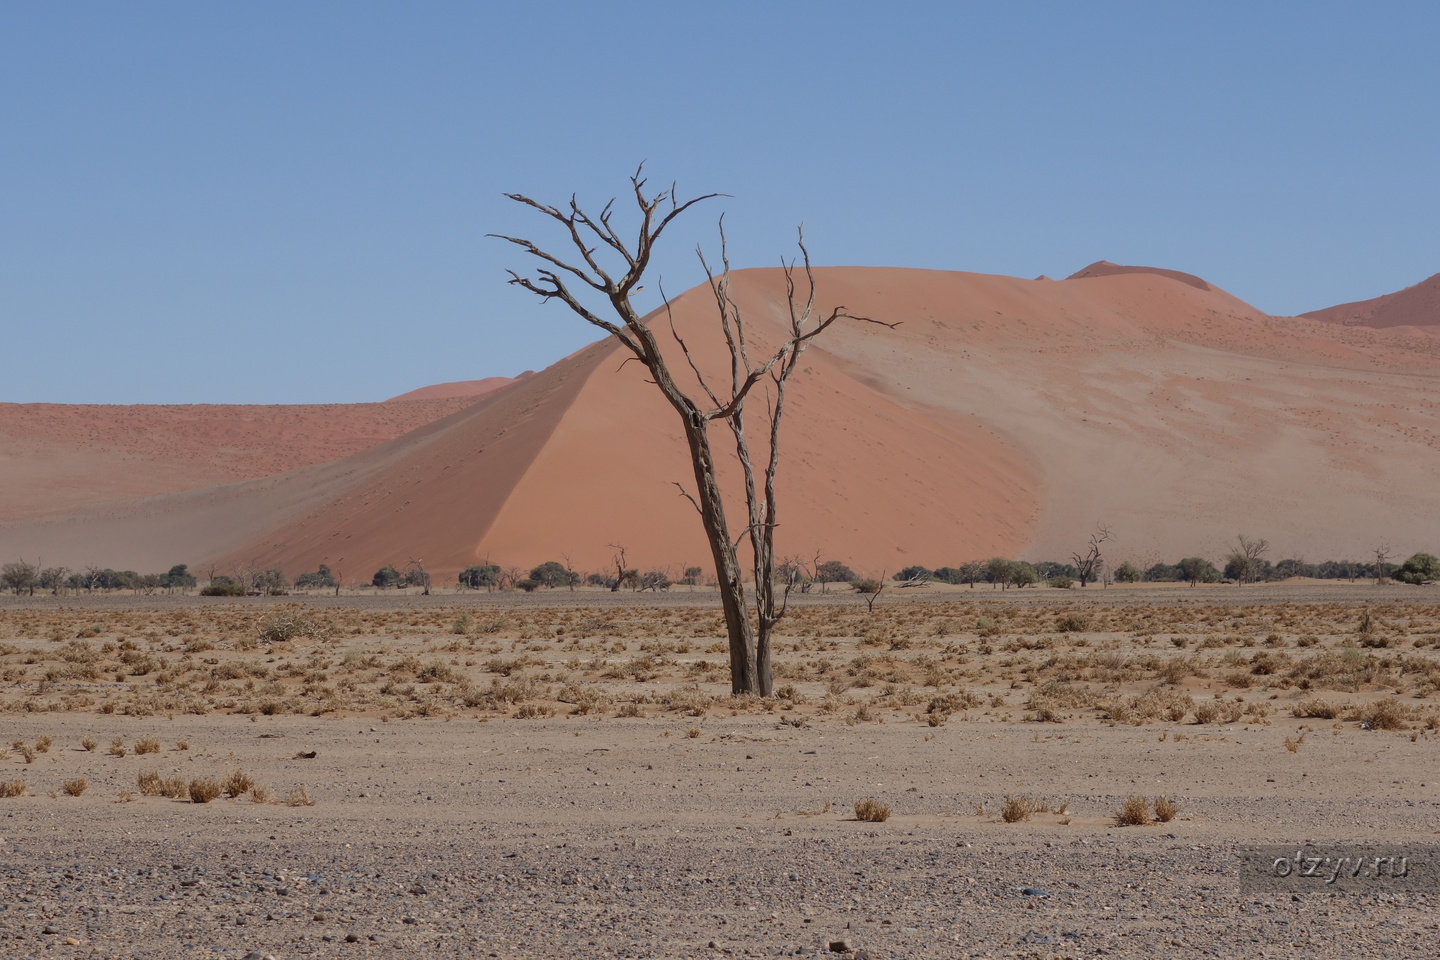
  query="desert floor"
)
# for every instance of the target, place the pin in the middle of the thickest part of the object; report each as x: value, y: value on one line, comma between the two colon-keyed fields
x: 563, y: 774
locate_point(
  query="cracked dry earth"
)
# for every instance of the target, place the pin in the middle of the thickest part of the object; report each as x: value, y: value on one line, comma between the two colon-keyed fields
x: 627, y: 837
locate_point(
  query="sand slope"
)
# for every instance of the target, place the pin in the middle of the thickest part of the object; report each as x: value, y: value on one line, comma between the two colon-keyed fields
x: 1416, y: 306
x: 55, y: 457
x: 1002, y: 416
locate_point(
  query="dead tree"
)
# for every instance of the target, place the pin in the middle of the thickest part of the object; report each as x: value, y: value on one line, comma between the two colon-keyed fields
x: 1089, y: 563
x: 1382, y: 563
x: 596, y: 239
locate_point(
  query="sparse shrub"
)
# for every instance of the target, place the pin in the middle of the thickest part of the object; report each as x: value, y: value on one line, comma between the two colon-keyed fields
x: 25, y: 750
x: 1016, y: 809
x: 871, y: 810
x: 1319, y: 709
x: 1387, y: 714
x: 237, y: 783
x: 693, y: 732
x: 299, y: 797
x: 1061, y: 582
x: 1134, y: 812
x: 630, y: 709
x: 149, y: 782
x: 866, y: 586
x: 12, y: 788
x: 174, y: 787
x: 42, y: 744
x: 531, y: 711
x: 1166, y: 809
x: 89, y: 744
x: 182, y: 744
x: 75, y: 787
x: 203, y: 790
x: 117, y: 747
x: 147, y: 745
x: 462, y: 624
x: 259, y: 794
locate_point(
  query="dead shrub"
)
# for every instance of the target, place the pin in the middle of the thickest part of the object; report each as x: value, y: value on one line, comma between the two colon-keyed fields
x: 532, y: 711
x: 12, y: 788
x: 203, y: 790
x: 1166, y: 809
x: 1319, y: 709
x: 89, y: 744
x: 42, y: 744
x: 871, y: 810
x: 299, y: 797
x: 117, y: 747
x: 1017, y: 809
x: 1134, y: 812
x: 75, y: 787
x: 148, y: 745
x: 149, y: 782
x: 1387, y: 714
x: 237, y: 783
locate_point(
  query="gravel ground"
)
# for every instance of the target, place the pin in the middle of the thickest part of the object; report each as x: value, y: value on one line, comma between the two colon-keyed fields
x: 628, y: 838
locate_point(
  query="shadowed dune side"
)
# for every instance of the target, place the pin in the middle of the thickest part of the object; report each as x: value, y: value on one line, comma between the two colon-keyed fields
x: 1415, y: 306
x: 364, y: 495
x: 1104, y: 268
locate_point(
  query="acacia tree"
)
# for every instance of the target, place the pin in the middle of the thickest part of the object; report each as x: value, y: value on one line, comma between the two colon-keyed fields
x: 1090, y: 562
x: 597, y: 239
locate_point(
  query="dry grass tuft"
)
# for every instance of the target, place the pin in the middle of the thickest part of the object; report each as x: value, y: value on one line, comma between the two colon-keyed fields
x: 117, y: 747
x: 75, y: 787
x: 693, y: 732
x: 182, y: 744
x: 1293, y: 744
x: 299, y: 797
x: 1016, y: 809
x: 149, y: 783
x: 1166, y: 809
x: 12, y: 788
x: 42, y: 744
x: 237, y: 783
x: 871, y: 810
x: 203, y: 790
x: 1134, y: 812
x: 259, y: 794
x: 89, y: 744
x: 148, y: 745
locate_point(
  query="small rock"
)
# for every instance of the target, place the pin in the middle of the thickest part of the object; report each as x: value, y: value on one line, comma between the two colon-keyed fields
x: 839, y: 946
x: 1035, y: 892
x: 352, y: 938
x: 49, y: 929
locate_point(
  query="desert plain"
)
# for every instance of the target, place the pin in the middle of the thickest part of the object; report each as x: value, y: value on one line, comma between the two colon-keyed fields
x: 565, y: 774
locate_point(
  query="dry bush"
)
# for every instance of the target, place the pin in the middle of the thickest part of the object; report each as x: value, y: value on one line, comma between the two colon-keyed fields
x: 531, y: 711
x: 1319, y: 709
x: 1134, y: 812
x: 12, y: 788
x: 182, y: 744
x: 630, y: 709
x: 147, y: 745
x: 693, y: 732
x: 1016, y: 809
x: 299, y: 797
x: 259, y: 794
x: 25, y: 750
x: 124, y: 796
x: 174, y: 787
x: 149, y: 782
x: 1293, y: 744
x: 871, y: 810
x: 203, y: 790
x: 117, y: 747
x: 89, y: 744
x: 42, y: 744
x: 1387, y: 714
x: 1165, y: 809
x: 75, y: 787
x: 237, y: 783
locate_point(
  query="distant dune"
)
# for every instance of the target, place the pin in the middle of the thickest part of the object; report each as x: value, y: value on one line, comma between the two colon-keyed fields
x: 1003, y: 416
x: 1417, y: 306
x: 461, y: 388
x: 54, y: 457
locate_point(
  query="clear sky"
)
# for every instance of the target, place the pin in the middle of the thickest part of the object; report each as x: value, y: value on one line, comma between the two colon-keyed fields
x: 287, y: 202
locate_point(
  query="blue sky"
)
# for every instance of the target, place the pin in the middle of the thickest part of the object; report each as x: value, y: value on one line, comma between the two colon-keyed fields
x: 288, y: 202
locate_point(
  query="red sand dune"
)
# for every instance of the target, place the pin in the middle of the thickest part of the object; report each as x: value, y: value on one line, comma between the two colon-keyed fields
x: 1417, y: 306
x: 54, y: 457
x: 461, y: 388
x: 1003, y: 416
x: 1104, y: 268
